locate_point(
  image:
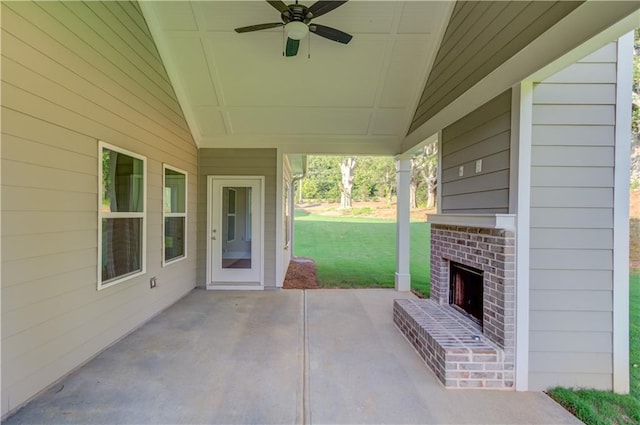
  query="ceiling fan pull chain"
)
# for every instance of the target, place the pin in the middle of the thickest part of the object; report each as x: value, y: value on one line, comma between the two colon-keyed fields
x: 284, y: 42
x: 309, y: 48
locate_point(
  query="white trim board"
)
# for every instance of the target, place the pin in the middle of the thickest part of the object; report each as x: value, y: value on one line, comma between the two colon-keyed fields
x: 279, y: 254
x: 485, y: 221
x: 439, y: 176
x: 621, y: 216
x: 522, y: 116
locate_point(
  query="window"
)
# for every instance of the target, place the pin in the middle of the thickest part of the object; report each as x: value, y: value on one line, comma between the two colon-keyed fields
x: 121, y: 215
x: 287, y: 214
x: 247, y: 221
x: 175, y: 214
x: 231, y: 215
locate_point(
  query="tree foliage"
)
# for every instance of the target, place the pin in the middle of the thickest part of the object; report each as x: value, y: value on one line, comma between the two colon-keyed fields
x: 635, y: 114
x: 635, y: 106
x: 374, y: 178
x: 322, y: 181
x: 424, y: 173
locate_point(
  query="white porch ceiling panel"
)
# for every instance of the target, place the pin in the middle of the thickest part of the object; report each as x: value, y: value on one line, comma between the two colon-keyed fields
x: 237, y: 90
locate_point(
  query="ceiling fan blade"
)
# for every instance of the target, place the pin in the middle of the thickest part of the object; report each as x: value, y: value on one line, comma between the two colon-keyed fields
x: 292, y: 47
x: 330, y: 33
x: 259, y: 27
x: 278, y: 4
x: 321, y: 7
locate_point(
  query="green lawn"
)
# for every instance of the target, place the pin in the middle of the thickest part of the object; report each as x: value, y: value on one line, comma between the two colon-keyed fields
x: 355, y: 252
x: 603, y: 407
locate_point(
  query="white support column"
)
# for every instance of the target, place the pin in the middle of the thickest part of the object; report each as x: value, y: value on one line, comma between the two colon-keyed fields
x: 403, y: 236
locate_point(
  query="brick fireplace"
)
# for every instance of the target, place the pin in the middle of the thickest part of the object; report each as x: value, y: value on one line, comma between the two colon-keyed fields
x: 463, y: 350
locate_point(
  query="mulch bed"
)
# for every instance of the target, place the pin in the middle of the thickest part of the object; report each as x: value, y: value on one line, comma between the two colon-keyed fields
x: 301, y: 274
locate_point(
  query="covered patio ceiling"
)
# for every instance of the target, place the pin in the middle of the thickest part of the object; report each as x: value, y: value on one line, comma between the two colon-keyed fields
x: 238, y: 90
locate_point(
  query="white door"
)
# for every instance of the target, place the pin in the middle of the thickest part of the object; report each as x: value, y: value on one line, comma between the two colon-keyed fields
x: 235, y: 227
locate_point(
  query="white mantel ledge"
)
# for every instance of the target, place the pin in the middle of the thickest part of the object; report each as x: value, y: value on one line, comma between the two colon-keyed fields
x: 485, y: 221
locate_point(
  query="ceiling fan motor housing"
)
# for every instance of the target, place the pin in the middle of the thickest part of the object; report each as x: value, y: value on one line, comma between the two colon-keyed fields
x: 296, y: 13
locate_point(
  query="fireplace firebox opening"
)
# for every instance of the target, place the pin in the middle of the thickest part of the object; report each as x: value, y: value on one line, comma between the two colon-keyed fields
x: 466, y: 290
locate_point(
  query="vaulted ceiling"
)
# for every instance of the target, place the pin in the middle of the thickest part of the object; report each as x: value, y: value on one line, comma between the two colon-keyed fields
x: 238, y: 90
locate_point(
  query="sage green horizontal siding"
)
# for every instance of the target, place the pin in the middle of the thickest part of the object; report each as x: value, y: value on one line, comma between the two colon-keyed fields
x: 481, y: 36
x: 240, y: 162
x: 75, y: 73
x: 571, y: 239
x: 561, y: 321
x: 484, y: 134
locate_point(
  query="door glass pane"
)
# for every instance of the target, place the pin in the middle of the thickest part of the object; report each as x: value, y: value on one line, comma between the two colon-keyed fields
x: 236, y: 237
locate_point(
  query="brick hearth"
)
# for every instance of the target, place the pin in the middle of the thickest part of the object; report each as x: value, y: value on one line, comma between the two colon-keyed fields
x: 460, y: 352
x: 451, y: 346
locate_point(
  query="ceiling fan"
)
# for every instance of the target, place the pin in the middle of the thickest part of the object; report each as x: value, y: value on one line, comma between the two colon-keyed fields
x: 296, y: 20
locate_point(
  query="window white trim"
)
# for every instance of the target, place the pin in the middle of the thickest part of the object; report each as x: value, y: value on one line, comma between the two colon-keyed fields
x: 103, y: 214
x: 175, y: 214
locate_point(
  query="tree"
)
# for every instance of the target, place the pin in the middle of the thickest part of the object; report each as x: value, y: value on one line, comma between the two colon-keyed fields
x: 424, y: 170
x: 388, y: 179
x: 635, y: 114
x: 374, y: 178
x: 323, y: 178
x: 635, y: 105
x: 347, y: 167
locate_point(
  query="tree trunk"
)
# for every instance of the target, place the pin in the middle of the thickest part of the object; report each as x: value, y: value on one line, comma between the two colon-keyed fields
x: 347, y: 167
x: 429, y: 174
x: 389, y: 194
x: 432, y: 192
x: 413, y: 188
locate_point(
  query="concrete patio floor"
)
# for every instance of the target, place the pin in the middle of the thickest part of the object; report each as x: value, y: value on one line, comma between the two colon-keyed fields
x: 274, y: 357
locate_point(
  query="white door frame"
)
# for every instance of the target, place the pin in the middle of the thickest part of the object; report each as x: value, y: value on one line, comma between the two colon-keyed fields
x: 260, y: 248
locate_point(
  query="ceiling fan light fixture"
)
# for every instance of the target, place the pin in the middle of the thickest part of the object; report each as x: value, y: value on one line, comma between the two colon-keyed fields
x: 296, y: 30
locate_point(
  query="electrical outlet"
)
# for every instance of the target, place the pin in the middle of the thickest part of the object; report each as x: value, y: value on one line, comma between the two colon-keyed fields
x: 153, y: 282
x: 479, y: 166
x: 461, y: 171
